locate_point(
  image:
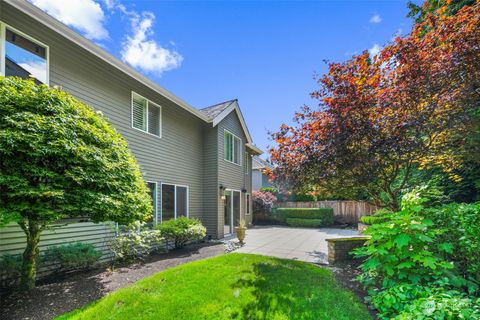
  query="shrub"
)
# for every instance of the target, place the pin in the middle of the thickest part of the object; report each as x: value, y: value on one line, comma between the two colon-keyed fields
x: 181, y: 231
x: 311, y: 223
x: 263, y: 202
x: 72, y: 256
x: 272, y: 190
x: 391, y: 301
x: 61, y: 159
x: 404, y: 249
x: 303, y: 197
x: 442, y: 305
x: 278, y: 216
x: 461, y: 223
x: 136, y: 242
x: 325, y: 215
x: 10, y: 265
x: 379, y: 217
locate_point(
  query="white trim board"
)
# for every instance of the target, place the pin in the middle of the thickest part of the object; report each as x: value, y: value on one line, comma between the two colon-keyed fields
x: 3, y: 48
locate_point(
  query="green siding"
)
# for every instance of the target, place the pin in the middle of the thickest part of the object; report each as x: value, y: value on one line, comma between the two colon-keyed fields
x: 231, y: 175
x: 190, y: 151
x: 13, y: 240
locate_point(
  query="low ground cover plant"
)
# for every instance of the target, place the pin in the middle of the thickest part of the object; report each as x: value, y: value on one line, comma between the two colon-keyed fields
x: 182, y: 230
x: 414, y: 267
x: 72, y: 256
x: 10, y: 266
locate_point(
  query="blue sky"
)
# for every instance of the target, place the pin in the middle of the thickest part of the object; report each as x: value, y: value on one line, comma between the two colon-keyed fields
x: 263, y: 53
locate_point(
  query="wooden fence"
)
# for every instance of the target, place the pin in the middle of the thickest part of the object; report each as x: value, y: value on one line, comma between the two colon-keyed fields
x: 343, y: 211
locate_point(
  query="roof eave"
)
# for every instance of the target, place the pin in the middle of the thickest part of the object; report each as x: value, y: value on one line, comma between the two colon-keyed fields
x: 255, y: 150
x: 57, y: 26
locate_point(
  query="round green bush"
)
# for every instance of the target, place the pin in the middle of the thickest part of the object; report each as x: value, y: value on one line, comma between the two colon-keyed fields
x: 59, y: 158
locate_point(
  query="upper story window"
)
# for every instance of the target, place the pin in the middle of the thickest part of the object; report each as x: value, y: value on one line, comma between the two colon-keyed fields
x: 232, y: 146
x: 146, y: 115
x: 22, y: 56
x: 247, y: 168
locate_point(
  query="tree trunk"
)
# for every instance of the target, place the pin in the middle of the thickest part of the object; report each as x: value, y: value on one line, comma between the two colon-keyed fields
x: 32, y: 230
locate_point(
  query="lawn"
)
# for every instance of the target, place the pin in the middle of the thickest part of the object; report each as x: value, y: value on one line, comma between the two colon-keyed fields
x: 232, y: 286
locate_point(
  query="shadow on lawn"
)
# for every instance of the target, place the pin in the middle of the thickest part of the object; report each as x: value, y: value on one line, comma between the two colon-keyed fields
x: 283, y: 289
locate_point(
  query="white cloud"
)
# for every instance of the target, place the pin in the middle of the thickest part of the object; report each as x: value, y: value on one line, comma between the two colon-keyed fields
x: 141, y: 51
x: 85, y: 15
x: 375, y: 49
x: 375, y: 19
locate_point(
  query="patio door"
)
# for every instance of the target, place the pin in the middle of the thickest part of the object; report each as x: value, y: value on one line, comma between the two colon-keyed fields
x: 231, y: 210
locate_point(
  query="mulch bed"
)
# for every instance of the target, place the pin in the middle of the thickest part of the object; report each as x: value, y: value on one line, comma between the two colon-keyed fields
x: 57, y: 295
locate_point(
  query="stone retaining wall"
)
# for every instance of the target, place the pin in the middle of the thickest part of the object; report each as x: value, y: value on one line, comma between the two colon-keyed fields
x: 339, y: 248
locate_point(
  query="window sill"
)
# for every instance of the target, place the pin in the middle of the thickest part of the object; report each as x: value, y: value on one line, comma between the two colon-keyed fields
x: 237, y: 164
x: 150, y: 134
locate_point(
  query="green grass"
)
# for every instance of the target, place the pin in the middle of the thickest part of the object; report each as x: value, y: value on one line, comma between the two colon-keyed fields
x: 232, y: 286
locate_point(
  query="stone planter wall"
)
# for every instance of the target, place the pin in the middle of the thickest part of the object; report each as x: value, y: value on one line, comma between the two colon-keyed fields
x: 339, y: 248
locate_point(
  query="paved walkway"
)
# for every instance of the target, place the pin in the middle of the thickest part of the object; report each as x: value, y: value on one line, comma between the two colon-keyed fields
x: 304, y: 244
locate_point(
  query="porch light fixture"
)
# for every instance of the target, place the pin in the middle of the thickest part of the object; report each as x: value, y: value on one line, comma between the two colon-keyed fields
x: 244, y: 190
x: 222, y: 191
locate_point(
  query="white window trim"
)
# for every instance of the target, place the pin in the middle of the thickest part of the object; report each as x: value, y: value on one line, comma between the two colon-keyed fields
x: 241, y: 206
x: 233, y: 145
x: 175, y: 199
x: 3, y: 48
x: 155, y: 209
x: 247, y: 167
x: 146, y: 116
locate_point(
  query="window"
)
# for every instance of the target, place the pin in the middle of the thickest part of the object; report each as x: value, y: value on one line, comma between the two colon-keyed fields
x: 232, y: 146
x: 247, y: 203
x: 174, y: 201
x: 146, y: 115
x: 152, y: 187
x: 22, y: 56
x: 246, y: 163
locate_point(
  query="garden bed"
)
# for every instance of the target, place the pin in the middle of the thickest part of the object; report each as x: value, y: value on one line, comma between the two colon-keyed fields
x: 54, y: 296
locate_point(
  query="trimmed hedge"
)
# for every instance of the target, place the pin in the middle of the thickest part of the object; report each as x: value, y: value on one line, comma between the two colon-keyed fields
x: 323, y: 215
x: 297, y: 222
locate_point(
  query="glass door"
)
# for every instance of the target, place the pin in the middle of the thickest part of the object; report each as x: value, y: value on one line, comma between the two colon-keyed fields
x: 228, y: 212
x: 231, y: 211
x: 236, y: 208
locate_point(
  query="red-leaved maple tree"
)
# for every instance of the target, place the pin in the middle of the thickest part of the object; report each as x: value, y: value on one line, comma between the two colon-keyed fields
x: 411, y: 106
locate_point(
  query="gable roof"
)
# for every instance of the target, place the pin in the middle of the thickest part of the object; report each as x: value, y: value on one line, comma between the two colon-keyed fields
x: 220, y: 111
x: 213, y: 111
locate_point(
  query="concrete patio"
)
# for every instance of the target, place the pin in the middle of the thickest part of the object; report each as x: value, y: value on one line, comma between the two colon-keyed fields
x: 304, y: 244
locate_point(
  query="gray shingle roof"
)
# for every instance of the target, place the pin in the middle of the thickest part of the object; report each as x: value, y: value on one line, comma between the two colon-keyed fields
x: 213, y: 111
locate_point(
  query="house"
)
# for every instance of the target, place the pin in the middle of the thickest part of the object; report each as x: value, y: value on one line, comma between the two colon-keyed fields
x: 197, y: 161
x: 259, y: 178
